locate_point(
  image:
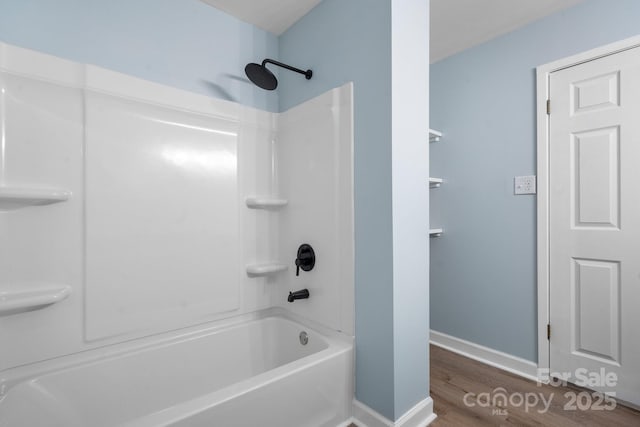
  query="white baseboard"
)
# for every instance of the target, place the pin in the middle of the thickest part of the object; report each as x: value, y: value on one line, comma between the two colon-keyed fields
x: 489, y: 356
x: 420, y: 415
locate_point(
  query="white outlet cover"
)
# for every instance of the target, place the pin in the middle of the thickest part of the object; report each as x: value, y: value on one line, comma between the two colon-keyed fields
x: 524, y: 184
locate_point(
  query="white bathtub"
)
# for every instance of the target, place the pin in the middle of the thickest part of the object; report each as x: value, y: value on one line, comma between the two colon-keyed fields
x: 256, y: 373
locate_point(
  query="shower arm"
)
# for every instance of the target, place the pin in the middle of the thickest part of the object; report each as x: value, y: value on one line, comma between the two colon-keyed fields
x: 307, y: 73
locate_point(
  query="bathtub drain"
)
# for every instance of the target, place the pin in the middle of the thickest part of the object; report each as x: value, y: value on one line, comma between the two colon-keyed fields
x: 304, y: 338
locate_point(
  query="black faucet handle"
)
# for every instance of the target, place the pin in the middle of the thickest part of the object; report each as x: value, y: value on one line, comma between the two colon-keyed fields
x: 306, y: 258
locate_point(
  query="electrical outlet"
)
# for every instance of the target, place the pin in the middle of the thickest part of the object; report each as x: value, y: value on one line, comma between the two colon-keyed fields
x: 524, y: 184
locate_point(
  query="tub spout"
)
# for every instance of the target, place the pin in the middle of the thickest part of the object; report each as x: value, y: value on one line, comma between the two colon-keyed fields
x: 301, y: 294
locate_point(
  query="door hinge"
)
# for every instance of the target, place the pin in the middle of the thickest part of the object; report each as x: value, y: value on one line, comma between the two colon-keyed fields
x: 548, y: 331
x: 548, y: 106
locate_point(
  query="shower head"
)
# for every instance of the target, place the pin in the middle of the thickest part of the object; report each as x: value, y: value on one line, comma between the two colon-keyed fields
x: 260, y: 75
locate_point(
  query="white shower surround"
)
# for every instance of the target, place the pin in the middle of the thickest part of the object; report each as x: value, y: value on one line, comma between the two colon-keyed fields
x: 156, y: 234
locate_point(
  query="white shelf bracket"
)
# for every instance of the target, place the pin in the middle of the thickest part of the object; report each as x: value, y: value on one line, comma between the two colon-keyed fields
x: 434, y: 135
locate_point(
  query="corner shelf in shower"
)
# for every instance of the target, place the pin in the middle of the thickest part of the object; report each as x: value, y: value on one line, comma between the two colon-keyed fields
x: 12, y: 198
x: 260, y: 270
x: 265, y: 203
x: 21, y: 298
x: 434, y: 135
x: 436, y: 232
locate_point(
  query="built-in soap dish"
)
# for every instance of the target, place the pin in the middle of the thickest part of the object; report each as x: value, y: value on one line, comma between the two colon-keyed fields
x: 265, y: 203
x: 260, y: 270
x: 20, y: 298
x: 12, y: 198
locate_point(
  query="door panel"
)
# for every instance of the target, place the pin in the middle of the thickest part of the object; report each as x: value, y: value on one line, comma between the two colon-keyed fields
x: 596, y: 292
x: 595, y: 221
x: 595, y: 156
x: 596, y: 93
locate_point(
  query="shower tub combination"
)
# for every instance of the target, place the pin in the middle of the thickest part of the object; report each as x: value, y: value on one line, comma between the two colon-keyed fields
x: 126, y: 300
x: 268, y: 371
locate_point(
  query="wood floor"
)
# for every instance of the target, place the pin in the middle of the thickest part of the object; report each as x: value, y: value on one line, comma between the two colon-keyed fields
x: 453, y: 376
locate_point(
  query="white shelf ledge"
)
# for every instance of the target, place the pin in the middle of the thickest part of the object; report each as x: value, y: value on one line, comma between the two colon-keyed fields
x: 434, y: 135
x: 12, y: 198
x: 21, y: 298
x: 259, y: 270
x: 435, y: 182
x: 265, y: 203
x: 436, y: 232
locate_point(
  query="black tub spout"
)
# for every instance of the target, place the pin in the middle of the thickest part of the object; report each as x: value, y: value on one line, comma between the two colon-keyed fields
x: 301, y: 294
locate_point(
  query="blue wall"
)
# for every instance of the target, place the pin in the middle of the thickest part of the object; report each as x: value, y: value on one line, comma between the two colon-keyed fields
x: 182, y: 43
x: 483, y: 269
x: 341, y: 44
x: 352, y: 41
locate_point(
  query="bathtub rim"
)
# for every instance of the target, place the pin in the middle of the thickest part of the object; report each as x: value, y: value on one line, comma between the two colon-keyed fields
x: 336, y: 341
x: 182, y: 411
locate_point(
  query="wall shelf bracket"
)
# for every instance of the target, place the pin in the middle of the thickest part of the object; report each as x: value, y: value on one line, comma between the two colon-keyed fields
x: 435, y: 182
x: 436, y: 232
x: 434, y: 135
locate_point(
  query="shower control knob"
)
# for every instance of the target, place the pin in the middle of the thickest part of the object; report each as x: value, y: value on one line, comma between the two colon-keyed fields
x: 306, y: 258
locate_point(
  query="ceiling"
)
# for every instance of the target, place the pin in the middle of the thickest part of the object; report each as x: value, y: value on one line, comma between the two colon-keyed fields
x: 456, y: 25
x: 275, y: 16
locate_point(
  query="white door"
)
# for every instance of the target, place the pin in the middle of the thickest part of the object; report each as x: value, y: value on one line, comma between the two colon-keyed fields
x: 594, y: 222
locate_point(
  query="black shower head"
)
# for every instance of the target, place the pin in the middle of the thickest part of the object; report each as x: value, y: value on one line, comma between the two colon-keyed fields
x: 262, y: 77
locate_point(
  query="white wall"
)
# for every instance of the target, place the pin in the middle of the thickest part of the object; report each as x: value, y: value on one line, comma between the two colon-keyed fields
x: 315, y: 146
